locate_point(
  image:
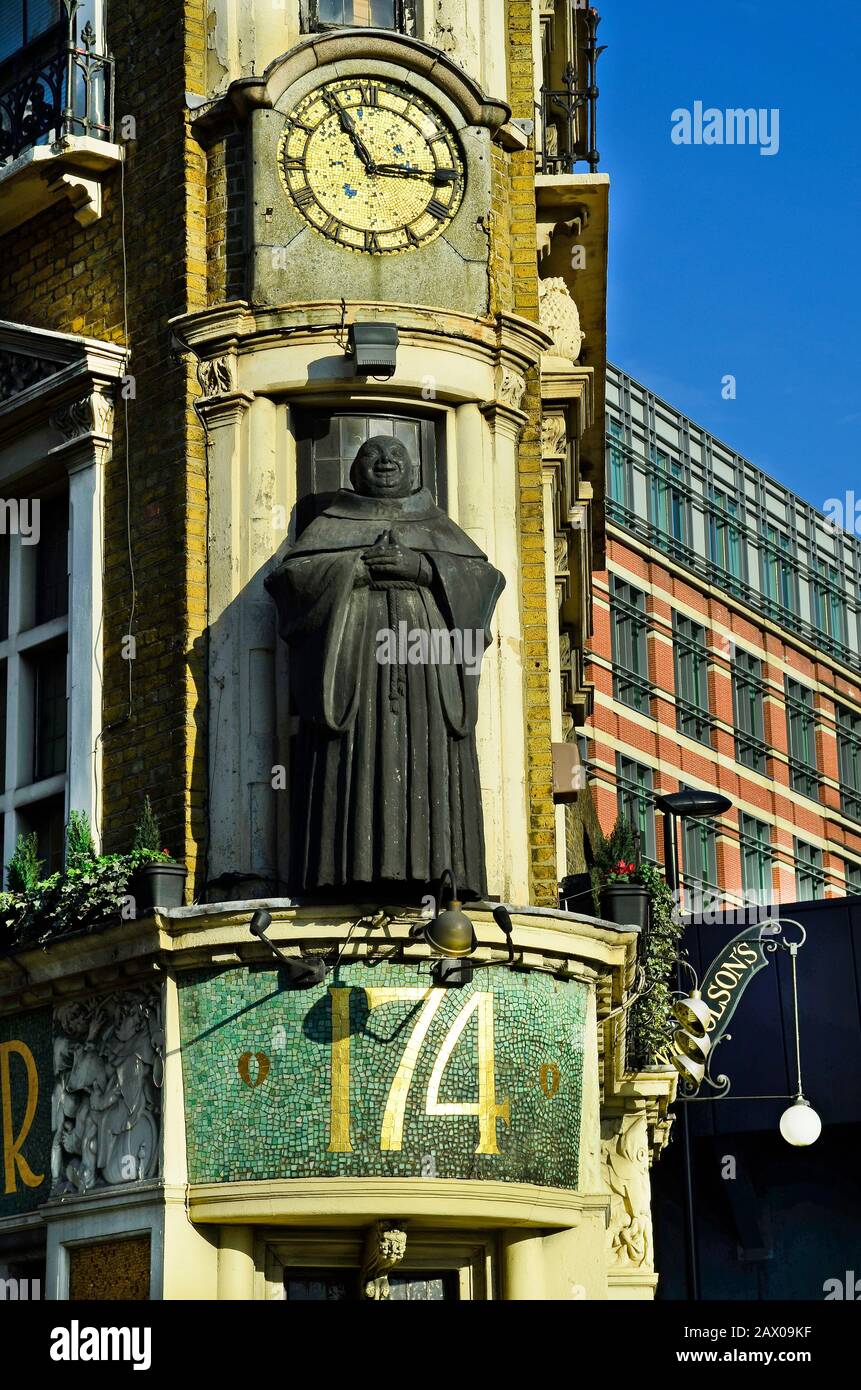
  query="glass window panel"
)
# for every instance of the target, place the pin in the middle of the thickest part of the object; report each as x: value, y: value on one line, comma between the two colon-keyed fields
x: 756, y: 863
x: 48, y: 819
x: 629, y: 628
x: 52, y: 559
x: 853, y: 877
x: 4, y: 587
x: 809, y: 876
x: 635, y: 800
x: 50, y: 722
x: 423, y: 1288
x: 313, y: 1286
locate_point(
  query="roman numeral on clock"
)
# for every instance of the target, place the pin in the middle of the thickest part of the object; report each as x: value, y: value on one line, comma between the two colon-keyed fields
x: 372, y: 241
x: 370, y: 94
x: 437, y: 209
x: 292, y: 164
x: 303, y: 197
x: 331, y: 227
x: 412, y: 237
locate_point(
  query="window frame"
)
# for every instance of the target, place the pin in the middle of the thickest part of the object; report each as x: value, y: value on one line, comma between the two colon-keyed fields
x: 694, y: 718
x: 751, y: 839
x: 748, y: 691
x: 640, y: 790
x: 630, y: 641
x: 310, y: 22
x: 808, y: 868
x: 849, y: 760
x: 804, y: 774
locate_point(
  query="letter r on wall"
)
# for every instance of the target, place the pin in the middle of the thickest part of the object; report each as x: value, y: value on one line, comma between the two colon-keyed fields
x: 12, y: 1157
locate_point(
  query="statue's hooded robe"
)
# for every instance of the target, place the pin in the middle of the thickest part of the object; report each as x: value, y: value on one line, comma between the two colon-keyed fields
x: 385, y: 774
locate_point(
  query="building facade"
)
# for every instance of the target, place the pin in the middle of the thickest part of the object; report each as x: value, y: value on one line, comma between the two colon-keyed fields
x: 208, y: 218
x: 725, y: 654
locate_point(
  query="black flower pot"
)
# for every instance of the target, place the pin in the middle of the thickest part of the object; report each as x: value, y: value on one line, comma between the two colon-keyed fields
x: 626, y: 904
x: 157, y: 885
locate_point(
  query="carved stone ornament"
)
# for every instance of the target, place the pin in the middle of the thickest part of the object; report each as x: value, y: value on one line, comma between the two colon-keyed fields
x: 106, y: 1104
x: 553, y: 436
x: 90, y: 415
x: 625, y: 1154
x: 512, y: 388
x: 559, y: 317
x: 18, y: 371
x: 385, y: 1247
x: 215, y: 376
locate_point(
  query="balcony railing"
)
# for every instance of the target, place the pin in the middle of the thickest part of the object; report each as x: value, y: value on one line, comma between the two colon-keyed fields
x: 569, y: 138
x: 55, y: 88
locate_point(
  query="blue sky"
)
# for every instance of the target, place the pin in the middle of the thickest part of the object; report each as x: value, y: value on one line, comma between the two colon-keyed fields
x: 726, y: 261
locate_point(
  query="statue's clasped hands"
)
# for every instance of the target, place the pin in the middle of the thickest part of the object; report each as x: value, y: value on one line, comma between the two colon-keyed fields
x: 390, y: 560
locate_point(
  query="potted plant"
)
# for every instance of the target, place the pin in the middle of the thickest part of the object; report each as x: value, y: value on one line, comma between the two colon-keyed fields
x: 157, y: 880
x: 620, y: 894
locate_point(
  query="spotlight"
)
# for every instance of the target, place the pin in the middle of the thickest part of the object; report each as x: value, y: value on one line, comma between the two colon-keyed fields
x: 301, y: 973
x: 374, y: 348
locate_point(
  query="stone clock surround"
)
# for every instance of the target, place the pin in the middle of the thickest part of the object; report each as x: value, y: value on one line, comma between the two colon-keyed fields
x: 256, y: 367
x: 288, y: 260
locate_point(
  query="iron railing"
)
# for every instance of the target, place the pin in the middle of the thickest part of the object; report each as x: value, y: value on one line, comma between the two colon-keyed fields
x: 567, y: 139
x: 55, y: 88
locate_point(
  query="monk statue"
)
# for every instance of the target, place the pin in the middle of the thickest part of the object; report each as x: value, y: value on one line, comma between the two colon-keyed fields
x: 385, y: 604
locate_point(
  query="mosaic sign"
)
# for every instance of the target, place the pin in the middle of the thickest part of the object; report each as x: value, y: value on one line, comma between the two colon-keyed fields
x: 25, y: 1110
x: 382, y: 1073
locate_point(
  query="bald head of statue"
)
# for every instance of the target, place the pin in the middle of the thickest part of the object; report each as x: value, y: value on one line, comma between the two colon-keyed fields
x: 384, y: 467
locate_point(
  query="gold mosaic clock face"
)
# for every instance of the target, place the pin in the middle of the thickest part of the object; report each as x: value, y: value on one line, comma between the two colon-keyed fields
x: 372, y: 165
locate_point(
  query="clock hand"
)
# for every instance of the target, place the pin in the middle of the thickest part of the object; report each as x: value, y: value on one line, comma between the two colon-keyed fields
x: 348, y: 125
x: 437, y: 176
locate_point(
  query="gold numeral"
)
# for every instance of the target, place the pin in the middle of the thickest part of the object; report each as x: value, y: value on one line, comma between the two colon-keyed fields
x: 392, y: 1133
x: 486, y: 1107
x: 339, y: 1101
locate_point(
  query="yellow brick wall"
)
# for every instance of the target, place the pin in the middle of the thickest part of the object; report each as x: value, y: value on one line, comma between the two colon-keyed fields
x: 524, y: 278
x: 58, y: 275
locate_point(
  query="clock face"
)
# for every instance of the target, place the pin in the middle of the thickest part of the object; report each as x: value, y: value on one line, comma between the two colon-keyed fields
x: 372, y: 165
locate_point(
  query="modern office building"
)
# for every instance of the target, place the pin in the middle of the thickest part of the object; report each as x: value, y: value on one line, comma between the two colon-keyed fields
x: 726, y: 654
x: 237, y: 241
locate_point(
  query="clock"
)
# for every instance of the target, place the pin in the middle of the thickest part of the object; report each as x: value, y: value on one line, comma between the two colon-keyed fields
x: 371, y: 165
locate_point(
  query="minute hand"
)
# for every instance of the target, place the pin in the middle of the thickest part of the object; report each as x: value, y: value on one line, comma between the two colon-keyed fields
x: 399, y: 171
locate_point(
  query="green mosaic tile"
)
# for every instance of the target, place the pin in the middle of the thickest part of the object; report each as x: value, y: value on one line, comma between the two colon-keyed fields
x: 261, y: 1071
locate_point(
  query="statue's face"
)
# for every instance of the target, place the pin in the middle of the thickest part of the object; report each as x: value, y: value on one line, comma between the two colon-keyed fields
x: 383, y: 468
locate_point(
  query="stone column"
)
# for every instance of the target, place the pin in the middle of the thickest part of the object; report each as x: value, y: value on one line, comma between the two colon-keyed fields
x: 236, y: 1264
x: 522, y: 1265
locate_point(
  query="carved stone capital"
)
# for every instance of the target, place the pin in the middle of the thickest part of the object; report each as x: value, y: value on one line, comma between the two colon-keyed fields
x: 92, y: 414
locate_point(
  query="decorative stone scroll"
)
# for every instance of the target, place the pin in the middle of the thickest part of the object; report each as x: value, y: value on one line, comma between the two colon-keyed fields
x: 625, y: 1153
x: 108, y: 1072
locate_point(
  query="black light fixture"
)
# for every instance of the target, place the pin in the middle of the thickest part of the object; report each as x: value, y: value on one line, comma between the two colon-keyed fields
x: 301, y: 973
x: 373, y: 348
x: 451, y: 935
x: 450, y: 932
x: 689, y: 803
